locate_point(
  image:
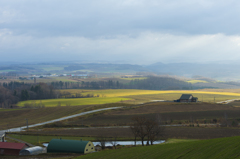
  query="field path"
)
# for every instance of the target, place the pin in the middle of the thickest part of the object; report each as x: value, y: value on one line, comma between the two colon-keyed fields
x: 55, y: 120
x: 227, y: 101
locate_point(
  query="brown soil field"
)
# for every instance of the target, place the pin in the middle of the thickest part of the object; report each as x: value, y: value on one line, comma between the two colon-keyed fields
x: 164, y: 107
x: 174, y: 112
x: 11, y: 119
x: 168, y: 118
x: 17, y: 118
x: 170, y: 132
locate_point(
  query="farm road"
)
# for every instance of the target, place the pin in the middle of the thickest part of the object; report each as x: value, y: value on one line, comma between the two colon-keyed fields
x: 55, y: 120
x: 227, y: 101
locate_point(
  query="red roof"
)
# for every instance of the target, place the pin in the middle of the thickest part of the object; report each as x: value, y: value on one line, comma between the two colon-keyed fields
x: 9, y: 145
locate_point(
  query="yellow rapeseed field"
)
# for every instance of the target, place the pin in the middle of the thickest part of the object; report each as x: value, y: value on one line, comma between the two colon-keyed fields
x: 133, y: 96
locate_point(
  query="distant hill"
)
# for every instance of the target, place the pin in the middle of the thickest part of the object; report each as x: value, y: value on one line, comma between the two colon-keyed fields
x: 216, y: 71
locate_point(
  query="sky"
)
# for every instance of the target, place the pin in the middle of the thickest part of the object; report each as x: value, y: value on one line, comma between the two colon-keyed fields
x: 126, y: 31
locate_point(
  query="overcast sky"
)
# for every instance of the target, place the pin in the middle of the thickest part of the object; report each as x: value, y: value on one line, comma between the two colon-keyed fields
x: 128, y: 31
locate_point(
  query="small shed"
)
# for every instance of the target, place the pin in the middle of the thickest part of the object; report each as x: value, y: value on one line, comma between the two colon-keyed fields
x: 7, y: 148
x: 31, y: 151
x: 187, y: 98
x: 70, y: 146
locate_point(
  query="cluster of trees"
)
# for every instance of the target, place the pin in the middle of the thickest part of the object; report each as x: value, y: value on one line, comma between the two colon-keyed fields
x: 147, y: 128
x: 7, y: 97
x: 13, y: 92
x: 66, y: 94
x: 151, y: 83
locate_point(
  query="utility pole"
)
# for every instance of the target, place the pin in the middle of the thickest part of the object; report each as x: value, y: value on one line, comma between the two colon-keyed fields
x: 27, y: 123
x: 214, y: 99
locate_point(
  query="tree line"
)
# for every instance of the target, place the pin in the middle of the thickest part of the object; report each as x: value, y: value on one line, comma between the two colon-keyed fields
x: 13, y: 92
x: 151, y: 83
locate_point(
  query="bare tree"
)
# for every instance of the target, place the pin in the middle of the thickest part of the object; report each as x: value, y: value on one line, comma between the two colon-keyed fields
x: 102, y: 141
x: 135, y: 131
x: 150, y: 128
x: 140, y: 124
x: 158, y: 130
x: 113, y: 140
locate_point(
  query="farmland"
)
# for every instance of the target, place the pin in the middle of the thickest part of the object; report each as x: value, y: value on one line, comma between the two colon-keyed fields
x: 213, y: 148
x: 140, y: 96
x: 131, y: 96
x: 171, y: 113
x: 73, y: 101
x: 131, y: 92
x: 37, y: 140
x: 16, y: 118
x: 126, y: 134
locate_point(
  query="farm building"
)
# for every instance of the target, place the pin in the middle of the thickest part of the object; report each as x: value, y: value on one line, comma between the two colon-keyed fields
x: 7, y: 148
x: 70, y: 146
x: 187, y: 98
x: 32, y: 151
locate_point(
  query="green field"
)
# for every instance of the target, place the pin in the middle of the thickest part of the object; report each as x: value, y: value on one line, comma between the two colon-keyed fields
x: 228, y: 147
x: 6, y: 110
x: 74, y: 101
x: 141, y: 96
x: 38, y: 140
x: 132, y: 96
x: 129, y: 92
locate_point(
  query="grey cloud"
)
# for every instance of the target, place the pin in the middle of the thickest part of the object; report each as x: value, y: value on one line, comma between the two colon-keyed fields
x: 108, y: 18
x: 137, y: 31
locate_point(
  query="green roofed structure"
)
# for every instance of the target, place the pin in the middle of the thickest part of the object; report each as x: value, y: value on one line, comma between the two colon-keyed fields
x: 70, y: 146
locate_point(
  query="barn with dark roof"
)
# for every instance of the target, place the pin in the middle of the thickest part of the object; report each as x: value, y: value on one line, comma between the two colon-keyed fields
x: 187, y: 98
x: 8, y: 148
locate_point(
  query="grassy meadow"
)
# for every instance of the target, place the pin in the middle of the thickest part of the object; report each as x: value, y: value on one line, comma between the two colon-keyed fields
x: 213, y: 148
